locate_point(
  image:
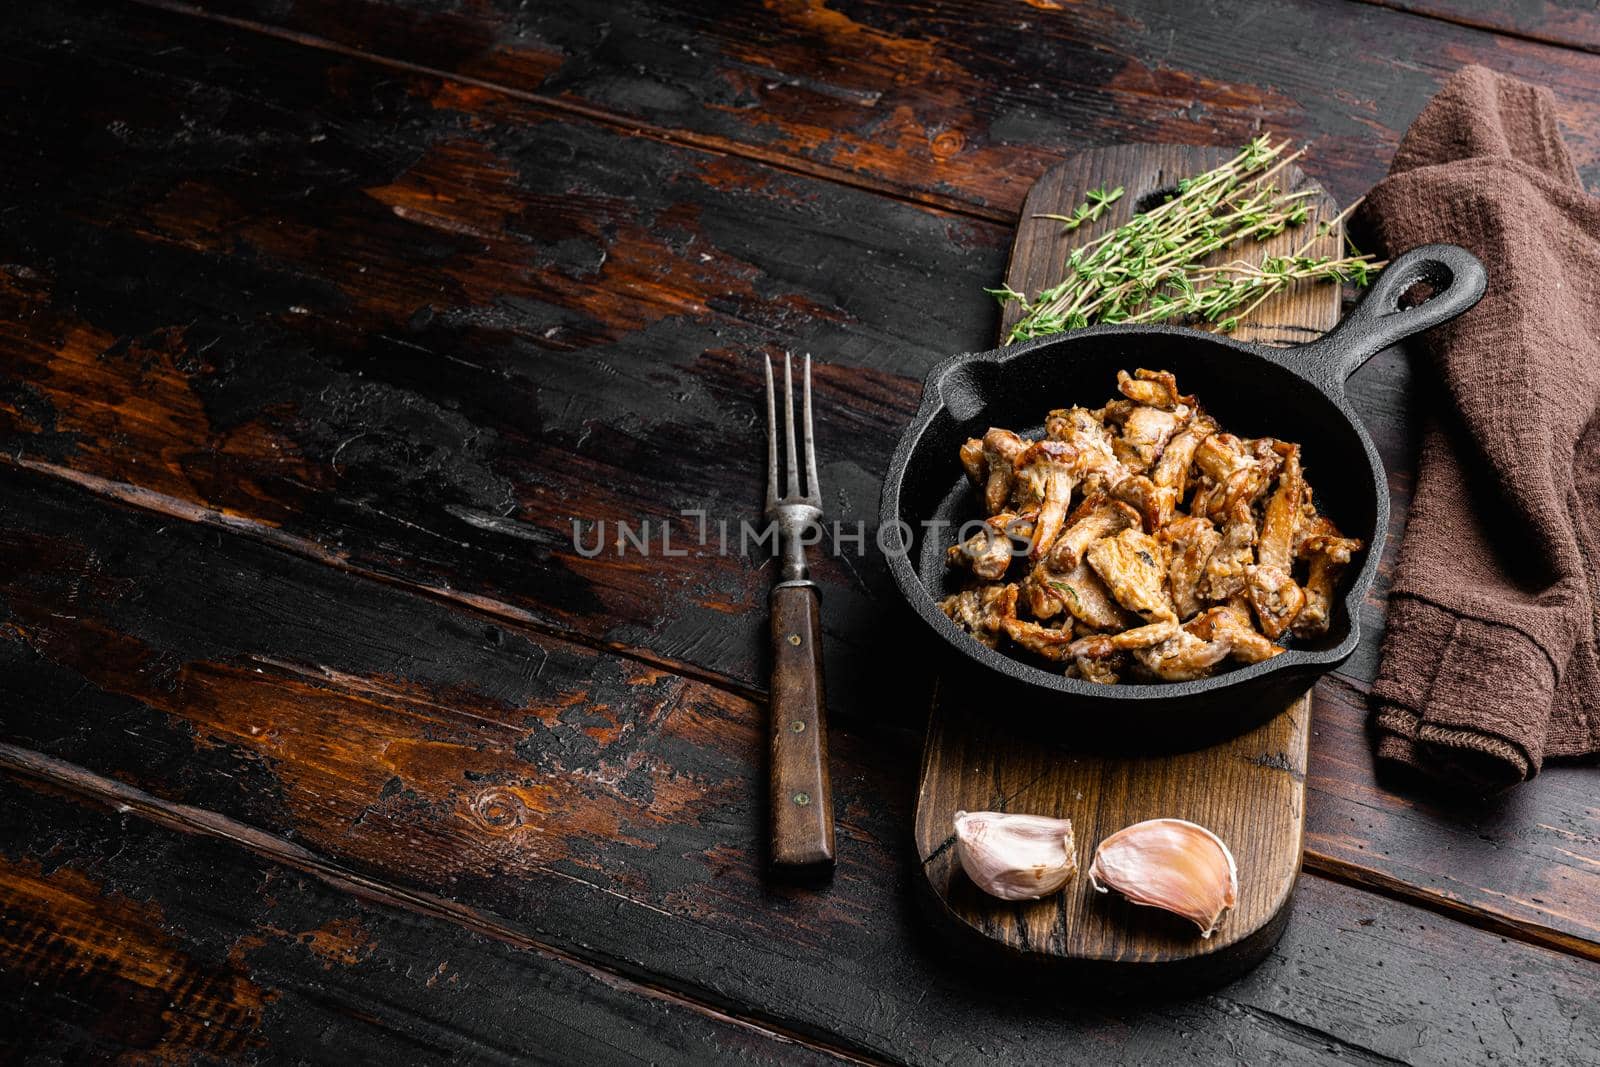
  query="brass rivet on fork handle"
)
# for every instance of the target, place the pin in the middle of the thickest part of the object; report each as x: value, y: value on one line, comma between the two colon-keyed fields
x: 801, y: 794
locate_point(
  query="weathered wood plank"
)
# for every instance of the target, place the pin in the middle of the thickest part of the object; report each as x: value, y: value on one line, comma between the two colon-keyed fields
x: 970, y: 102
x: 210, y: 313
x: 1570, y: 23
x: 123, y: 940
x: 394, y: 330
x: 512, y: 783
x: 1529, y: 857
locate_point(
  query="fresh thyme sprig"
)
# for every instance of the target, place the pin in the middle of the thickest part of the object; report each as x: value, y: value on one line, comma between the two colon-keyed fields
x: 1151, y: 268
x: 1095, y: 204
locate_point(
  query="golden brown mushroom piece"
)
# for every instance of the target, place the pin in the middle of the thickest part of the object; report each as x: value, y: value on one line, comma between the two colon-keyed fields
x: 1090, y: 602
x: 1272, y: 590
x: 1183, y: 657
x: 1329, y: 555
x: 1282, y: 513
x: 1206, y: 640
x: 1155, y: 503
x: 1091, y: 520
x: 1079, y: 592
x: 1276, y: 598
x: 1232, y: 472
x: 1172, y: 469
x: 1047, y: 641
x: 982, y: 611
x: 1099, y: 646
x: 1190, y: 543
x: 1309, y: 524
x: 1221, y: 455
x: 1097, y: 465
x: 1104, y: 671
x: 1145, y: 431
x: 1217, y: 500
x: 987, y: 553
x: 1231, y: 622
x: 1134, y: 567
x: 1062, y: 581
x: 973, y: 461
x: 1000, y: 450
x: 1153, y: 388
x: 1045, y: 475
x: 1224, y: 570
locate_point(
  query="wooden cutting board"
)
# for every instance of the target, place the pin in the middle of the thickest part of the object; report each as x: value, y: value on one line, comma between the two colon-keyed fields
x: 1250, y: 791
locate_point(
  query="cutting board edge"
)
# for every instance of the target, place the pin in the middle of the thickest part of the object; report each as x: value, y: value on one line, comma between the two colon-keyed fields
x: 1221, y: 964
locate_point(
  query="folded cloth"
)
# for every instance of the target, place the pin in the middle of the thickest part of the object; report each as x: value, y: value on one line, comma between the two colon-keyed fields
x: 1489, y: 664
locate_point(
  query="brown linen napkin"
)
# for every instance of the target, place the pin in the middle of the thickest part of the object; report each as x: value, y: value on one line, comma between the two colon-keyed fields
x: 1489, y: 665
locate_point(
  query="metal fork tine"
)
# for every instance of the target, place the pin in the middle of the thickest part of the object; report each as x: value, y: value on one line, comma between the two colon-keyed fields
x: 788, y: 424
x: 813, y: 492
x: 772, y: 441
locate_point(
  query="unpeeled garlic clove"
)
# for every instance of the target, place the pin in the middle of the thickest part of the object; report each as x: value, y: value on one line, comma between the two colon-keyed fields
x: 1170, y: 864
x: 1015, y: 857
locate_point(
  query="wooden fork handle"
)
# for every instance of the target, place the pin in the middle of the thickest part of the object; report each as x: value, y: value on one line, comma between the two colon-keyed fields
x: 802, y: 795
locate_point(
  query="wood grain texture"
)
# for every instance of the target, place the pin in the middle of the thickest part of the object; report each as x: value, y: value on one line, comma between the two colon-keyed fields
x: 130, y: 942
x: 390, y: 333
x: 801, y: 785
x: 411, y: 327
x: 1568, y: 23
x: 1250, y: 791
x: 558, y: 799
x: 966, y: 104
x: 290, y: 320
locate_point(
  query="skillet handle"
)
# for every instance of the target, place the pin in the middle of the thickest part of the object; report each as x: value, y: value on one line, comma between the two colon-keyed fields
x: 1378, y: 321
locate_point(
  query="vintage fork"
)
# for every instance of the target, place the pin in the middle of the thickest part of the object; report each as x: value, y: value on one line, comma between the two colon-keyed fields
x: 802, y: 795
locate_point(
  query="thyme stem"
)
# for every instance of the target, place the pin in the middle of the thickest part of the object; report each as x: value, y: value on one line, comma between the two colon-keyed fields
x: 1151, y: 268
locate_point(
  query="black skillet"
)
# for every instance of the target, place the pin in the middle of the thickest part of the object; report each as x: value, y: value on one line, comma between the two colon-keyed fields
x: 1296, y: 394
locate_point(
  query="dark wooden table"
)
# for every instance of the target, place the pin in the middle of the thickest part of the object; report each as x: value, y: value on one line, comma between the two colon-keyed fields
x: 322, y: 320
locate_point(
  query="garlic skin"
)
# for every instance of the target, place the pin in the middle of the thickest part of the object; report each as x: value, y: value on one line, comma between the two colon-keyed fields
x: 1015, y: 857
x: 1171, y: 864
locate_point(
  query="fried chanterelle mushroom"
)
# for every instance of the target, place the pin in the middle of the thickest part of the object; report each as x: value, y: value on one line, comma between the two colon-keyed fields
x: 1142, y: 542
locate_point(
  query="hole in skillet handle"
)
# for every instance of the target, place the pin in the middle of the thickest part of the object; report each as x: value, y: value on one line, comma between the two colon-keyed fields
x: 1420, y: 293
x: 1385, y: 316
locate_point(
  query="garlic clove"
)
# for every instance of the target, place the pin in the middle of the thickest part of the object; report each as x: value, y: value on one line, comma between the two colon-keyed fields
x: 1015, y: 857
x: 1170, y: 864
